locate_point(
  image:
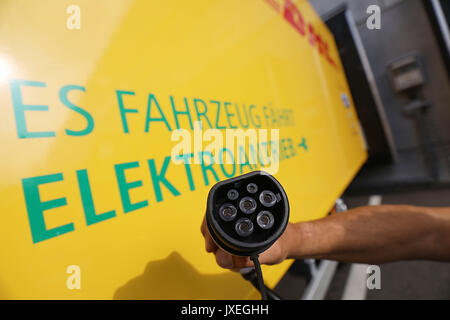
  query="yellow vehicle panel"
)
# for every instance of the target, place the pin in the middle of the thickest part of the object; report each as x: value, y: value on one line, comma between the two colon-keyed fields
x: 90, y: 95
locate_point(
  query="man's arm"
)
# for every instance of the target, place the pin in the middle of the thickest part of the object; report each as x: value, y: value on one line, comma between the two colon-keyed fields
x: 374, y: 234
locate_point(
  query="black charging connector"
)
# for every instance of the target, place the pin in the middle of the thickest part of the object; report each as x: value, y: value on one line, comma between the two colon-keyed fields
x: 246, y: 215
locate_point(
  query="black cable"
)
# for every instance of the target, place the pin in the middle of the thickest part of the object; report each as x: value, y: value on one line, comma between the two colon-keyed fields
x: 262, y: 287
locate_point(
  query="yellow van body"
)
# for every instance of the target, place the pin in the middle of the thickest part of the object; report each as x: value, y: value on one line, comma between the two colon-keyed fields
x: 91, y: 93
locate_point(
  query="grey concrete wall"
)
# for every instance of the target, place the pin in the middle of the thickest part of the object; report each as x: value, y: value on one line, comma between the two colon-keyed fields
x: 404, y: 29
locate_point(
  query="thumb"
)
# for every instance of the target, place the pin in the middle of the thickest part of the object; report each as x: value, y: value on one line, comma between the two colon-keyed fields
x: 228, y: 261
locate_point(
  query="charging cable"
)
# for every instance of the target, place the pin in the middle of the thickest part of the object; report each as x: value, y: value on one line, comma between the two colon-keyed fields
x: 259, y: 276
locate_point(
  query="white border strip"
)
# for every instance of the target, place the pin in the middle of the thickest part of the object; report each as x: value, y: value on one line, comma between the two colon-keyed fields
x: 442, y: 23
x: 356, y: 285
x: 318, y: 287
x: 372, y: 83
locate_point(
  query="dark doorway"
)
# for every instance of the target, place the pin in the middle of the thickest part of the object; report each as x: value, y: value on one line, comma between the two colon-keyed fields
x: 362, y: 86
x: 438, y: 12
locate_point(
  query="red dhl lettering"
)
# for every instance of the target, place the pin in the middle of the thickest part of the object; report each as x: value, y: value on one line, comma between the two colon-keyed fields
x: 294, y: 16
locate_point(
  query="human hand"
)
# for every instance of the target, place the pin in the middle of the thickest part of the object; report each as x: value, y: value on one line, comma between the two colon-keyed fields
x: 278, y: 252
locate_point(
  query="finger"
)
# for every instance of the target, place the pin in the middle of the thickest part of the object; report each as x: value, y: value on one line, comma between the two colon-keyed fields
x: 210, y: 245
x: 242, y: 262
x: 224, y: 259
x: 267, y: 256
x: 203, y: 226
x: 274, y: 255
x: 229, y: 261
